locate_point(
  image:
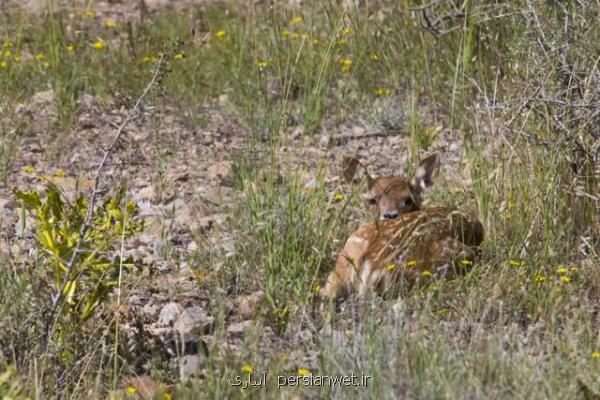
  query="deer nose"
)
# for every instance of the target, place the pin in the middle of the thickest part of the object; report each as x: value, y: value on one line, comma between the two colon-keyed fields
x: 390, y: 215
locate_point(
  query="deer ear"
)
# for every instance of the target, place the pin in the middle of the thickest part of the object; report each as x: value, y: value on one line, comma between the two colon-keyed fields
x: 426, y: 171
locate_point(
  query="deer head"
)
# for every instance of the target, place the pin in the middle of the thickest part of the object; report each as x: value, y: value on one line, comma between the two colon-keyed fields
x: 391, y: 196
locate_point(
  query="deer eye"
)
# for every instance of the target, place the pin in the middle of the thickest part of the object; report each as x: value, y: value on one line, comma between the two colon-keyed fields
x: 372, y: 201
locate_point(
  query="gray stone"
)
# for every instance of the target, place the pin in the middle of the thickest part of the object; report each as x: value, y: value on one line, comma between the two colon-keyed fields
x: 240, y: 328
x: 169, y: 314
x: 150, y: 310
x: 247, y: 306
x: 190, y: 366
x: 194, y: 319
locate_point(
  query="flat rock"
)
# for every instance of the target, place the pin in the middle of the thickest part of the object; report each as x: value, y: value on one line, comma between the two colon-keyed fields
x: 150, y: 310
x: 239, y: 328
x: 194, y: 319
x: 169, y: 314
x: 247, y: 306
x: 190, y: 366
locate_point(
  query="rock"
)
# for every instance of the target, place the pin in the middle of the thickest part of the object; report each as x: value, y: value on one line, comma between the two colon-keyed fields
x: 305, y: 336
x: 192, y: 246
x: 86, y: 122
x: 156, y: 4
x: 220, y: 170
x: 175, y: 206
x: 44, y: 102
x: 247, y: 306
x: 86, y: 101
x: 169, y: 314
x: 239, y: 328
x: 207, y: 138
x: 71, y: 187
x: 186, y: 218
x: 150, y: 310
x: 135, y: 300
x: 147, y: 193
x: 358, y: 130
x: 194, y: 319
x: 190, y: 366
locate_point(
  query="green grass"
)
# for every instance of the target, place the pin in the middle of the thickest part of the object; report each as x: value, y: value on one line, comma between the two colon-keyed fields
x: 517, y: 326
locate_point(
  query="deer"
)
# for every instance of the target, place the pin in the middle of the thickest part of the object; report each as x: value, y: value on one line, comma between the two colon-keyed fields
x: 406, y: 241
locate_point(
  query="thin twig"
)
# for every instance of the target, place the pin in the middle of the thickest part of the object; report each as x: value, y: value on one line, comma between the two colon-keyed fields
x: 56, y: 301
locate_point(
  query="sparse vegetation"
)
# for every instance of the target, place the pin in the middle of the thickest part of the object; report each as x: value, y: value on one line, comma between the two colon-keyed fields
x: 233, y: 159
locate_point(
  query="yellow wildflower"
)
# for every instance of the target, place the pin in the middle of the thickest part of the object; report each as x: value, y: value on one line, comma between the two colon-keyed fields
x: 7, y: 54
x: 3, y: 64
x: 466, y: 262
x: 29, y: 169
x: 346, y: 63
x: 167, y: 396
x: 317, y: 288
x: 561, y: 271
x: 89, y: 14
x: 391, y: 266
x: 540, y: 278
x: 565, y: 279
x: 149, y: 59
x: 111, y: 23
x: 40, y: 56
x: 338, y: 197
x: 7, y: 44
x: 346, y: 31
x: 261, y: 64
x: 247, y: 368
x: 178, y: 56
x: 596, y: 354
x: 18, y: 58
x: 99, y: 44
x: 70, y: 48
x: 426, y: 274
x: 285, y: 34
x: 411, y: 263
x: 305, y: 36
x: 516, y: 263
x: 303, y: 372
x: 59, y: 173
x: 573, y: 268
x: 294, y: 35
x: 382, y: 91
x: 297, y: 20
x: 220, y: 34
x: 315, y: 42
x: 374, y: 57
x: 46, y: 64
x: 131, y: 391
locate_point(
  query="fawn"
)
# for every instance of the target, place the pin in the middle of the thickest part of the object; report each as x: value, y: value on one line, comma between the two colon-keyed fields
x: 406, y: 242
